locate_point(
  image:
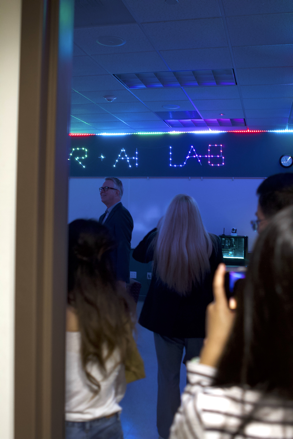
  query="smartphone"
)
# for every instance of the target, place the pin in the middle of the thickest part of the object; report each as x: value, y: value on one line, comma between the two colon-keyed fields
x: 233, y: 279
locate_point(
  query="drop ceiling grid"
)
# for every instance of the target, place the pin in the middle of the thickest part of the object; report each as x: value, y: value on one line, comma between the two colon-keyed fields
x: 262, y: 62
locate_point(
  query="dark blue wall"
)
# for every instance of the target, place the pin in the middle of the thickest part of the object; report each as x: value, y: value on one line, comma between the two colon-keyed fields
x: 244, y: 155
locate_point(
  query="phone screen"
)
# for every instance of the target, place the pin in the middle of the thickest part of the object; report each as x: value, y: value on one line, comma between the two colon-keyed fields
x: 231, y: 277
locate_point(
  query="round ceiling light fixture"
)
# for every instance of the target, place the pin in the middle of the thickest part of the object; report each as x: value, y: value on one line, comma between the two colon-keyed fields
x: 110, y: 41
x: 171, y: 107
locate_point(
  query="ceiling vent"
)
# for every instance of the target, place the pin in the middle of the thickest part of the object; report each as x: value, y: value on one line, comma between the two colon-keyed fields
x: 194, y: 78
x: 211, y: 123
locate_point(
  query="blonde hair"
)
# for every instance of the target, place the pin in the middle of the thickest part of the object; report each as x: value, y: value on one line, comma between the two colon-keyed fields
x: 183, y: 246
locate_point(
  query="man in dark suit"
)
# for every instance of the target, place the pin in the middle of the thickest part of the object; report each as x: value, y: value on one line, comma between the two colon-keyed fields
x: 120, y: 223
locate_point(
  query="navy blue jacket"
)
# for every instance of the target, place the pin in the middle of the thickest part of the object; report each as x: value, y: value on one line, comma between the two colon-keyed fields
x: 120, y: 224
x: 169, y: 313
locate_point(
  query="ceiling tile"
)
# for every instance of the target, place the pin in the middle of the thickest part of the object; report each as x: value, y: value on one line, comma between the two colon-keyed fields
x: 228, y: 114
x: 136, y: 116
x: 218, y: 104
x: 85, y: 65
x: 187, y: 34
x: 97, y: 82
x: 131, y: 62
x: 77, y: 51
x: 251, y: 7
x: 126, y: 130
x: 154, y: 10
x: 121, y: 96
x: 229, y: 92
x: 97, y: 12
x: 96, y: 118
x: 265, y: 29
x: 263, y: 76
x: 268, y: 123
x: 263, y: 56
x: 126, y: 107
x: 267, y: 91
x: 86, y: 109
x: 265, y: 113
x: 159, y: 94
x: 185, y: 105
x: 148, y: 124
x: 270, y: 104
x: 77, y: 98
x: 135, y: 39
x: 192, y: 59
x: 110, y: 125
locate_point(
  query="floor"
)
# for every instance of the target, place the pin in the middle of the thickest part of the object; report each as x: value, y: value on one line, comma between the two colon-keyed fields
x: 139, y: 404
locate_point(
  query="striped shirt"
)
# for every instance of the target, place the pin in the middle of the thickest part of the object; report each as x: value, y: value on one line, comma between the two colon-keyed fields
x: 212, y: 412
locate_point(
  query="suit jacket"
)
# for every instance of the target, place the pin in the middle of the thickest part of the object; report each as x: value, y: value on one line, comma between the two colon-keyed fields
x: 169, y: 313
x: 120, y: 224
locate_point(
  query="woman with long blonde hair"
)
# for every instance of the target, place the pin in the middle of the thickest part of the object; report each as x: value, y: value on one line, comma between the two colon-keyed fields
x: 185, y: 258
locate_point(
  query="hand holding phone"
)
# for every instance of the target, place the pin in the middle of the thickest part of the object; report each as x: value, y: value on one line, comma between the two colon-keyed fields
x: 219, y: 322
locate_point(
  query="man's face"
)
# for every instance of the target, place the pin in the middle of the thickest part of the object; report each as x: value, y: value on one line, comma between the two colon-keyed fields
x: 110, y: 196
x: 262, y: 221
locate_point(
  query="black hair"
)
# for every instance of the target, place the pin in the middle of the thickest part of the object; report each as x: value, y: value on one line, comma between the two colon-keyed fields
x: 259, y: 352
x: 275, y: 193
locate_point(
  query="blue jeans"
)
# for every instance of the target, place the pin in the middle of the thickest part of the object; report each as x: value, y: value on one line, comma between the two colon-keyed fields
x: 101, y: 428
x: 169, y: 355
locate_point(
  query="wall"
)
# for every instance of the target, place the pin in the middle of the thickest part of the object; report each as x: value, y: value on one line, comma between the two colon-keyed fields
x: 9, y: 88
x: 224, y: 203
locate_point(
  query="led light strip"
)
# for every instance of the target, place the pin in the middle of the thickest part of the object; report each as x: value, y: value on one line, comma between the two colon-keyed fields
x: 248, y: 131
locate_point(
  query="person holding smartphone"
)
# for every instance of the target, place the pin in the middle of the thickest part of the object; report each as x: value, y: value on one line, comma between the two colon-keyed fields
x: 243, y: 383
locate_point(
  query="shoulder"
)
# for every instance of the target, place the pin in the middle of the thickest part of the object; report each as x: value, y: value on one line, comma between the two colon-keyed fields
x: 124, y: 212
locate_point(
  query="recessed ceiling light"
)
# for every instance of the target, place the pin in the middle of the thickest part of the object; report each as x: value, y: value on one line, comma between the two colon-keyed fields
x: 222, y: 114
x: 171, y: 107
x: 110, y: 41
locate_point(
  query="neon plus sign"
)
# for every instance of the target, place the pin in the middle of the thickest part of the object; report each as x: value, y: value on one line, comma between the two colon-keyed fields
x: 192, y: 154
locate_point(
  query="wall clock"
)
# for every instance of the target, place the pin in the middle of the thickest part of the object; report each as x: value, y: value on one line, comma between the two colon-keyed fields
x: 286, y: 161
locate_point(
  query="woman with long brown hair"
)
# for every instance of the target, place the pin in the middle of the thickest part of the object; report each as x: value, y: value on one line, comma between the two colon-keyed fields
x: 98, y: 338
x: 185, y: 258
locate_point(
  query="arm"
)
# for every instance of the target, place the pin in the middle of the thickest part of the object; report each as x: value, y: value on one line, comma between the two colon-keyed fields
x: 220, y: 319
x: 123, y: 232
x: 144, y: 252
x: 120, y: 383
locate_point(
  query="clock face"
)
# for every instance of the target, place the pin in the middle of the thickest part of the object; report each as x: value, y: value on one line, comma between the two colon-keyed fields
x: 286, y: 161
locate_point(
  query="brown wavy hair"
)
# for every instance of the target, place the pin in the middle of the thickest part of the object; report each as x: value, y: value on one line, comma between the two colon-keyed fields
x: 104, y: 312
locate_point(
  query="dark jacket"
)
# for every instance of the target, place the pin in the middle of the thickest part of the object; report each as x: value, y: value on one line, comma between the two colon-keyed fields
x: 169, y: 313
x: 120, y: 224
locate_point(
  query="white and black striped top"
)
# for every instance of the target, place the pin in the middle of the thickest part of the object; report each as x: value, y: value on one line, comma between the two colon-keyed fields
x: 213, y: 412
